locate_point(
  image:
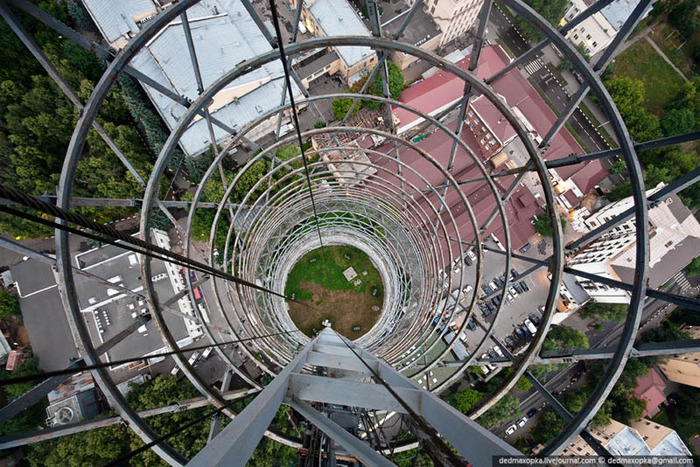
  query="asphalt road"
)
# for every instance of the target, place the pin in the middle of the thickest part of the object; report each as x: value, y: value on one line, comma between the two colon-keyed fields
x: 547, y: 83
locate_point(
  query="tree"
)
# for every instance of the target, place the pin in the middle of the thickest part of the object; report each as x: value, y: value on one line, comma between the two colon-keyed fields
x: 9, y: 304
x: 396, y: 85
x: 693, y: 269
x: 543, y: 227
x: 466, y: 399
x: 618, y: 167
x: 565, y: 337
x: 668, y: 332
x: 342, y: 106
x: 567, y: 65
x: 678, y: 121
x: 610, y: 313
x: 541, y: 371
x: 523, y: 384
x: 683, y: 18
x: 551, y: 10
x: 548, y: 427
x: 506, y: 408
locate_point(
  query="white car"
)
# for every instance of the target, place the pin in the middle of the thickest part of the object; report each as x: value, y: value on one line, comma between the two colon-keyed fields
x: 531, y: 327
x: 521, y: 422
x: 511, y: 429
x: 467, y: 289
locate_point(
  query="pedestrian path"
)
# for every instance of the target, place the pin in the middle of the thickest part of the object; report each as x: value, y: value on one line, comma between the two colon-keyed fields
x: 534, y: 66
x: 682, y: 281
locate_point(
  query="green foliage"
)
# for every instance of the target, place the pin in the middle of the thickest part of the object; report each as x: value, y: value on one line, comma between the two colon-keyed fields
x: 523, y: 384
x: 610, y: 313
x: 678, y: 121
x: 693, y: 269
x: 565, y: 337
x: 105, y: 445
x: 342, y: 106
x: 80, y: 16
x: 667, y: 332
x: 9, y: 304
x: 566, y: 64
x: 28, y: 367
x: 327, y: 271
x: 541, y: 371
x: 396, y: 85
x: 683, y: 18
x: 548, y: 427
x: 32, y: 417
x: 551, y: 10
x: 319, y: 124
x: 465, y: 399
x: 543, y: 227
x: 37, y: 120
x: 506, y: 408
x: 618, y: 167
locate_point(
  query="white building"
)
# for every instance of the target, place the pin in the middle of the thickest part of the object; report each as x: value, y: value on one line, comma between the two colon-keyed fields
x: 597, y: 31
x: 674, y: 241
x: 454, y: 17
x: 224, y: 35
x: 641, y: 438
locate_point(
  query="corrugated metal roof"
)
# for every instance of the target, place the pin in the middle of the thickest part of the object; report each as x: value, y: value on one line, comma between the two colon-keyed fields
x: 337, y: 17
x: 221, y: 41
x: 618, y: 11
x: 115, y: 18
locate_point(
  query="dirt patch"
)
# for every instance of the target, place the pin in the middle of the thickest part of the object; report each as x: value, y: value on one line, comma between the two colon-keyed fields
x: 14, y: 330
x: 345, y: 309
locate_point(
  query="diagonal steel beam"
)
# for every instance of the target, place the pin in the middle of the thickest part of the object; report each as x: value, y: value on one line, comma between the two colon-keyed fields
x: 531, y: 53
x: 673, y: 188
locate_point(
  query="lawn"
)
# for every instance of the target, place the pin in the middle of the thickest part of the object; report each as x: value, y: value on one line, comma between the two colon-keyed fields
x: 680, y: 54
x: 319, y: 281
x: 661, y: 82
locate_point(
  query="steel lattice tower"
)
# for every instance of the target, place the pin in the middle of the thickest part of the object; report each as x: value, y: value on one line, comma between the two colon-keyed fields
x: 297, y: 205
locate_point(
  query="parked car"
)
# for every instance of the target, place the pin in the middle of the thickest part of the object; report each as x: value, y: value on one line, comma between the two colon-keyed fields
x: 524, y: 286
x: 491, y: 353
x: 511, y: 429
x: 513, y: 292
x: 498, y: 282
x: 520, y: 334
x: 525, y: 330
x: 510, y: 343
x: 522, y: 421
x: 436, y: 320
x: 503, y: 280
x: 518, y: 288
x: 485, y: 288
x: 491, y: 308
x: 530, y: 327
x: 513, y: 273
x: 468, y: 260
x: 533, y: 317
x: 495, y: 301
x: 471, y: 325
x: 531, y: 413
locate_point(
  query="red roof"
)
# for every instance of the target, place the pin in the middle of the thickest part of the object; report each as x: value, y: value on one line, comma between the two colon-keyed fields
x: 519, y: 209
x: 650, y: 387
x: 15, y: 359
x: 496, y: 122
x: 443, y: 88
x: 589, y: 176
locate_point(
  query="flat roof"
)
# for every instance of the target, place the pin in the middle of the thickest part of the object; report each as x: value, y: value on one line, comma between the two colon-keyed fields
x: 421, y: 29
x: 43, y: 315
x: 338, y: 17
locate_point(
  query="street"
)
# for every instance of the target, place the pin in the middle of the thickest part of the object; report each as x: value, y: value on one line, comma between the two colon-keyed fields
x: 543, y: 79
